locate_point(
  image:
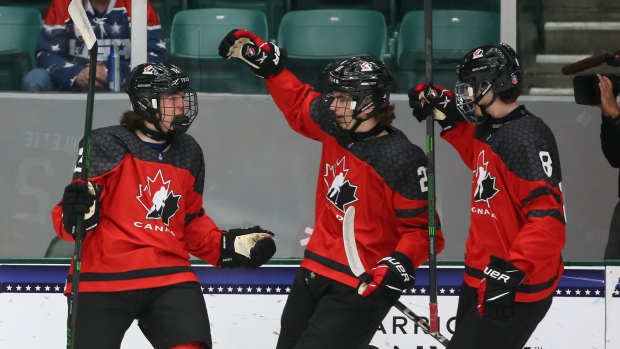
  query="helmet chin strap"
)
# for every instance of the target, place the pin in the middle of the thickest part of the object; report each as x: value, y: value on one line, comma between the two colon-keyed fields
x: 483, y: 107
x: 373, y: 132
x: 158, y: 134
x: 155, y: 135
x: 358, y: 122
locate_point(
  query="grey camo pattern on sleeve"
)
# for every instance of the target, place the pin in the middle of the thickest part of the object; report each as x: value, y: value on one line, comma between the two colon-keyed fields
x: 111, y: 144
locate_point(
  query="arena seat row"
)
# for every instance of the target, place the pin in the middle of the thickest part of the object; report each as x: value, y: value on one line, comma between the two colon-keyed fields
x: 393, y: 12
x: 20, y: 27
x: 313, y: 38
x: 274, y: 10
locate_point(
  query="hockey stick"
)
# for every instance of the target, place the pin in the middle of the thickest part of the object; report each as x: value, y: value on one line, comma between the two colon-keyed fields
x: 81, y: 22
x: 430, y: 170
x: 350, y: 248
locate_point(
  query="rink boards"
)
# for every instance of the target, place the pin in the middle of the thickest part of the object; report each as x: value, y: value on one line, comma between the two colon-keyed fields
x: 245, y: 306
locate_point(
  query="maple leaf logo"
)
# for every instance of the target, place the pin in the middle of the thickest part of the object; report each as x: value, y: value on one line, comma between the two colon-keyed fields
x: 157, y: 198
x: 485, y: 183
x: 341, y: 192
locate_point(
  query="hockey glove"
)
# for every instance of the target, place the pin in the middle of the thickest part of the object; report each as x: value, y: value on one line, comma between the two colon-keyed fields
x: 265, y: 58
x: 249, y: 248
x: 80, y: 198
x: 420, y: 109
x: 438, y: 98
x: 496, y: 294
x: 394, y: 273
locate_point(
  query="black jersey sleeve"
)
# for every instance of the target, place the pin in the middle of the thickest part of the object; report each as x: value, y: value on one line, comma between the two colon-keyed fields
x: 610, y: 141
x: 106, y: 152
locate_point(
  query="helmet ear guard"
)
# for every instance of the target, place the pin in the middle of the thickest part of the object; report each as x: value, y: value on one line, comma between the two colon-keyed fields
x: 145, y: 104
x: 368, y: 101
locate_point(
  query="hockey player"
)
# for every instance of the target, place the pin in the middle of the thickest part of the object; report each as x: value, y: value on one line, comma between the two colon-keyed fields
x: 62, y: 56
x: 513, y: 259
x: 143, y: 217
x: 366, y: 163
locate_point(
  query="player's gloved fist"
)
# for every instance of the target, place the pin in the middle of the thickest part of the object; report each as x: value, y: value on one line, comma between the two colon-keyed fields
x: 420, y: 108
x: 249, y: 248
x: 440, y: 100
x: 264, y: 57
x: 394, y: 273
x: 80, y: 198
x: 496, y: 294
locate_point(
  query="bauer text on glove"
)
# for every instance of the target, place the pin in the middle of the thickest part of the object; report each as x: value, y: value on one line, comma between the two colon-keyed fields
x: 394, y: 273
x: 496, y: 294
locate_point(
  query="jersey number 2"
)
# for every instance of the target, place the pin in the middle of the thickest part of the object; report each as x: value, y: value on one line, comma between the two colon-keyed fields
x: 424, y: 179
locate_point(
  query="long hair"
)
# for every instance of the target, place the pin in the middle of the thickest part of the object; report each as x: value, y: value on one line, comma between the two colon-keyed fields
x: 386, y: 115
x: 132, y: 120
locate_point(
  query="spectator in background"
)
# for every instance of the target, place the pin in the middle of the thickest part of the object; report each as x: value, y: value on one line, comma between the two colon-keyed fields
x: 610, y: 143
x: 62, y: 56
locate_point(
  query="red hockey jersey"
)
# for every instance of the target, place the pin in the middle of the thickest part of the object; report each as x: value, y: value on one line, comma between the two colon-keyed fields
x: 151, y: 214
x: 383, y: 177
x: 517, y: 207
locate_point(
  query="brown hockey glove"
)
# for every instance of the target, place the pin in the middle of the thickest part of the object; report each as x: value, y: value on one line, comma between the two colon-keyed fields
x: 497, y: 291
x: 80, y: 198
x: 263, y: 57
x: 249, y: 248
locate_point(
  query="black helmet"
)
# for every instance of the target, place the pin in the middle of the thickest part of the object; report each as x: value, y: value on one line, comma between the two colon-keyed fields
x: 492, y: 67
x: 149, y: 81
x: 362, y: 76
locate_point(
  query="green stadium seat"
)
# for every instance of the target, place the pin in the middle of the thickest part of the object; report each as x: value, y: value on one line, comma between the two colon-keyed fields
x: 59, y: 248
x: 314, y: 38
x: 273, y: 9
x: 455, y: 32
x: 194, y: 41
x: 40, y: 5
x: 166, y: 10
x: 20, y: 28
x: 479, y: 5
x: 406, y: 6
x: 386, y: 7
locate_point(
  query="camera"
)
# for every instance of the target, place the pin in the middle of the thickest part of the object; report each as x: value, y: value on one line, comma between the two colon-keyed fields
x: 587, y: 91
x: 586, y: 87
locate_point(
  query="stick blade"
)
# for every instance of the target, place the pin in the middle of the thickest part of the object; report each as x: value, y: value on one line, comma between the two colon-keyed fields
x: 80, y: 19
x: 350, y: 246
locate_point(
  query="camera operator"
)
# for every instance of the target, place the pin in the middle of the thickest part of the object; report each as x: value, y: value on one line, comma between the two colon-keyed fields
x: 610, y: 143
